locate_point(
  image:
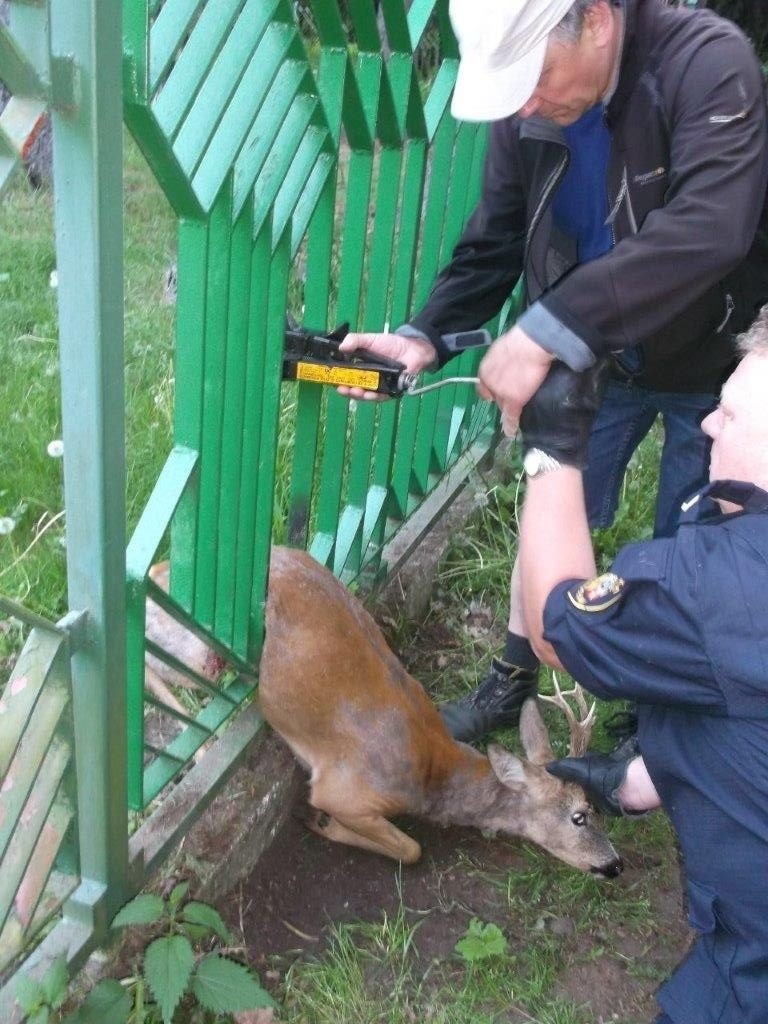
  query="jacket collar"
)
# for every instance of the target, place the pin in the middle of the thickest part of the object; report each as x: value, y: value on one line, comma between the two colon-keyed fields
x: 751, y: 498
x: 633, y: 59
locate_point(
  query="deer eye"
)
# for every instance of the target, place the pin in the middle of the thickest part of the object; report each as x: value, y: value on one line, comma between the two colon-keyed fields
x: 579, y: 818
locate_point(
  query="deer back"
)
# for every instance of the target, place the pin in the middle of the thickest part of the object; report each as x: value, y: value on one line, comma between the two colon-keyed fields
x: 332, y: 688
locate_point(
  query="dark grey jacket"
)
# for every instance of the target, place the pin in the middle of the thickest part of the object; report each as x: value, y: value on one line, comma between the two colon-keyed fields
x: 686, y: 189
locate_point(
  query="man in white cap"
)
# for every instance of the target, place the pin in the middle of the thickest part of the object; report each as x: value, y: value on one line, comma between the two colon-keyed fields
x: 625, y: 179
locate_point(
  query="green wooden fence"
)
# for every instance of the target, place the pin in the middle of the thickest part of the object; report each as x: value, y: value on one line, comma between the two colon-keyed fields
x: 309, y: 154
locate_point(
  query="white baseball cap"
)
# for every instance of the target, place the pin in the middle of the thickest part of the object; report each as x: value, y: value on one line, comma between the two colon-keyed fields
x: 502, y: 45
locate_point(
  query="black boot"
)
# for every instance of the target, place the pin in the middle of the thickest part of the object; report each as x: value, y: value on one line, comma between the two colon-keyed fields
x: 600, y: 775
x: 495, y: 704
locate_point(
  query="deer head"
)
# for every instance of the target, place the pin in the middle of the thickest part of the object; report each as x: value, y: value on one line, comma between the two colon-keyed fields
x: 555, y: 815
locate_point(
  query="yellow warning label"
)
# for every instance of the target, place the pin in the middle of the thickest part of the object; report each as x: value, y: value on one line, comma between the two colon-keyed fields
x: 334, y: 375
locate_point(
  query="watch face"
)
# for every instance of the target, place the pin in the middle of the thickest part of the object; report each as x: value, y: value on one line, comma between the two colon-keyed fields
x: 532, y: 462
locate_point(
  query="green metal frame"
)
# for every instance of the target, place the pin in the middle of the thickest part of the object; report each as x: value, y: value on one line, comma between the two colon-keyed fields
x: 325, y: 177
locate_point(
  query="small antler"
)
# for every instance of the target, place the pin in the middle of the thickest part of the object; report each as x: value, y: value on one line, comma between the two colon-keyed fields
x: 580, y: 728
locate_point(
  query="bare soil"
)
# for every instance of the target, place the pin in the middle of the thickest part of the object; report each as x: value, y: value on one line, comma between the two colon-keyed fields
x: 304, y: 885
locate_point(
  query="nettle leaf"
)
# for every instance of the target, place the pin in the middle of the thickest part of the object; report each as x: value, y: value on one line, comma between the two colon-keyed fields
x: 224, y: 986
x: 56, y: 981
x: 178, y: 893
x: 107, y: 1003
x: 481, y: 942
x: 146, y: 908
x: 30, y: 994
x: 202, y: 913
x: 167, y: 966
x: 195, y: 932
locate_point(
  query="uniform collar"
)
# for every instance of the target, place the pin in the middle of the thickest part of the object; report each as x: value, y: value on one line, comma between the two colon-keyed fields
x: 750, y: 497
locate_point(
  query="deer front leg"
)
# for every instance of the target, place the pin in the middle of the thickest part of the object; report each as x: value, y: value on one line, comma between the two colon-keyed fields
x: 369, y: 832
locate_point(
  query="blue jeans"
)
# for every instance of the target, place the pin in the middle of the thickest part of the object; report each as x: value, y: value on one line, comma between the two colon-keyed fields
x: 626, y: 415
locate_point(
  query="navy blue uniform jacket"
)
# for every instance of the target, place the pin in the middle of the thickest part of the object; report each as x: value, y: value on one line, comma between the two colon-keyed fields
x: 684, y: 633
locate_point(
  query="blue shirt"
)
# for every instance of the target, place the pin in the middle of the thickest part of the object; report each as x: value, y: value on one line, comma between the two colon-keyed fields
x: 580, y: 206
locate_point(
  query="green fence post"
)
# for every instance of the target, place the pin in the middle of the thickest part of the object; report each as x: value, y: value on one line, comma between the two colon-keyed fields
x: 88, y: 205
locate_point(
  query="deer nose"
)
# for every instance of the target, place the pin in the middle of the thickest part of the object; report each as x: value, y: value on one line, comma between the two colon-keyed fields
x: 610, y: 870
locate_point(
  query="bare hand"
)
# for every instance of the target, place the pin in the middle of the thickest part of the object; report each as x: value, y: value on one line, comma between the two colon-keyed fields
x: 414, y: 353
x: 510, y: 374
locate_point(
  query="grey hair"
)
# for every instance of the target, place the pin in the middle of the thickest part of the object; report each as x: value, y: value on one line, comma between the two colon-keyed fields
x: 755, y: 339
x: 570, y: 26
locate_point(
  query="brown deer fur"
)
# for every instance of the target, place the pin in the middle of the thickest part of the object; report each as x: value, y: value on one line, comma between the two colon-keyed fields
x: 376, y: 746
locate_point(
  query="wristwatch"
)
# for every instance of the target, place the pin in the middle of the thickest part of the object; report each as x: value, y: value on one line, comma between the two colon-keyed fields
x: 536, y: 461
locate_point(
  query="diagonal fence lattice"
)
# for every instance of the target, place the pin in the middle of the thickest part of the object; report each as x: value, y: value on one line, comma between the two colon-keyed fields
x: 309, y: 153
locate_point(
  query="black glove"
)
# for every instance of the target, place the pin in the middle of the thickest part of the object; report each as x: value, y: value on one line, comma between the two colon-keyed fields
x: 599, y: 775
x: 558, y: 418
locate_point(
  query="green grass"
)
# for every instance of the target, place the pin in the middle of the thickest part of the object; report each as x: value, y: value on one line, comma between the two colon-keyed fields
x: 32, y: 554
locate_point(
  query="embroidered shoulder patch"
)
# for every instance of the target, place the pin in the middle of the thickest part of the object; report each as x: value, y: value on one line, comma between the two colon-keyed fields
x: 597, y: 594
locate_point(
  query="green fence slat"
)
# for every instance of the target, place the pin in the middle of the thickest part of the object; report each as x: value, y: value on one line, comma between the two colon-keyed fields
x: 168, y: 491
x: 435, y: 421
x: 20, y: 777
x: 330, y: 28
x: 188, y: 413
x: 330, y: 77
x: 278, y: 286
x: 18, y: 74
x: 419, y: 13
x: 232, y: 132
x: 57, y: 887
x: 396, y: 22
x: 375, y: 509
x: 438, y: 102
x: 254, y: 375
x: 310, y: 197
x: 135, y: 52
x: 261, y: 139
x: 368, y: 77
x: 173, y: 101
x: 180, y: 750
x: 42, y: 661
x: 403, y: 89
x: 348, y: 532
x: 294, y: 181
x: 232, y: 432
x: 17, y: 857
x: 135, y: 627
x: 167, y: 33
x: 380, y: 267
x: 217, y: 291
x: 241, y: 74
x: 362, y: 14
x: 434, y: 208
x: 278, y: 174
x: 308, y: 397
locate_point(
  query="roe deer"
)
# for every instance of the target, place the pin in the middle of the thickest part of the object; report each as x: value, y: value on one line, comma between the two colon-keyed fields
x: 376, y: 745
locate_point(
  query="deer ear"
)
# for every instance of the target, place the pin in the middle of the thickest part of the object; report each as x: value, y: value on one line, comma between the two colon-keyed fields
x: 534, y: 735
x: 507, y: 768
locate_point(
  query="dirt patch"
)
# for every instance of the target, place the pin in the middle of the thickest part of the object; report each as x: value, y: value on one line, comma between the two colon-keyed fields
x: 304, y: 885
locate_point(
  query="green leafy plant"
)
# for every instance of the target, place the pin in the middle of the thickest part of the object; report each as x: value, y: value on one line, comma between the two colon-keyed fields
x: 171, y: 973
x: 481, y: 942
x: 40, y: 999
